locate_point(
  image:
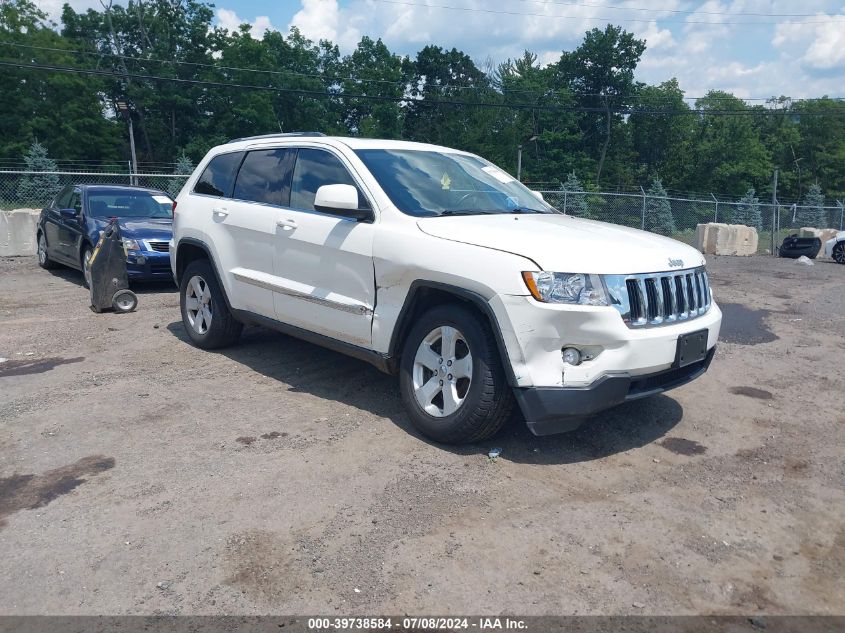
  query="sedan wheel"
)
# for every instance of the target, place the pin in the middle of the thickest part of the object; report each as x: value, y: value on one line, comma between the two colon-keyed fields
x: 43, y: 258
x: 198, y: 304
x: 86, y: 267
x: 839, y: 253
x: 442, y: 371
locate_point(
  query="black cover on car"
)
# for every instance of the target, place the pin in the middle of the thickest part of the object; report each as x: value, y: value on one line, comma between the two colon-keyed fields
x: 109, y: 280
x: 794, y: 247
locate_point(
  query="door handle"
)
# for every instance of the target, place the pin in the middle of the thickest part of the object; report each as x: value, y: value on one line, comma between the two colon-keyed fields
x: 286, y: 224
x: 220, y: 212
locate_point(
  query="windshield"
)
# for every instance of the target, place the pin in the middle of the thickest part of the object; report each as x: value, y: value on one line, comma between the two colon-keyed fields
x: 130, y: 204
x: 423, y: 183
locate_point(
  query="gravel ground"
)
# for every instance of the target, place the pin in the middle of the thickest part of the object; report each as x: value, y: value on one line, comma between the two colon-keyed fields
x: 139, y: 475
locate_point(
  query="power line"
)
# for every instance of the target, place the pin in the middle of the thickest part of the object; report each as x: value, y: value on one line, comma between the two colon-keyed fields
x: 402, y: 83
x: 597, y: 18
x: 401, y: 100
x: 683, y: 11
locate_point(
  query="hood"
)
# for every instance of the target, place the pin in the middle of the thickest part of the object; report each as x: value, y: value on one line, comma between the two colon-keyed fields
x: 562, y: 243
x: 142, y: 228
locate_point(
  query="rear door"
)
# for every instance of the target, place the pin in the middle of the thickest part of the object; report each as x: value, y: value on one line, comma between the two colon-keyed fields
x: 261, y: 188
x: 323, y: 261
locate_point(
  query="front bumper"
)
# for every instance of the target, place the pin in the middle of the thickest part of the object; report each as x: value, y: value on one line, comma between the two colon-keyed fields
x: 549, y: 410
x: 148, y: 266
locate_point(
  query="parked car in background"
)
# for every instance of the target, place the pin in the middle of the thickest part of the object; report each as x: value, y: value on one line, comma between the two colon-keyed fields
x: 69, y: 228
x: 437, y: 265
x: 835, y: 248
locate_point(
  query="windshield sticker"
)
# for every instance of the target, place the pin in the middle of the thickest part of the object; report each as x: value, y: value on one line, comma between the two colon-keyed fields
x: 445, y: 182
x: 498, y: 174
x: 162, y: 199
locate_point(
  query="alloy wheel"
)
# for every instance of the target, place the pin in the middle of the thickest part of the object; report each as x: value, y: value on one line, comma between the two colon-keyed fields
x: 86, y: 267
x: 442, y: 371
x: 839, y: 253
x: 42, y: 249
x: 198, y: 304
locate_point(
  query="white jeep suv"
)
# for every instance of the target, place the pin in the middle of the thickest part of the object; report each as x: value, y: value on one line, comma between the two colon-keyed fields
x: 435, y: 264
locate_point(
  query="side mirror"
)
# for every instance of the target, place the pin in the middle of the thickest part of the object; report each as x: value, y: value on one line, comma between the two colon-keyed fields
x: 69, y: 214
x: 539, y: 195
x: 340, y: 199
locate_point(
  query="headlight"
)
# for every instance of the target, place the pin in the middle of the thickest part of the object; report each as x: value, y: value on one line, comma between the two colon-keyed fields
x: 130, y: 245
x: 575, y: 288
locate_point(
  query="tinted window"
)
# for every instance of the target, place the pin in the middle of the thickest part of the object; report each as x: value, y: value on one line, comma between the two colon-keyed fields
x: 315, y: 168
x: 216, y: 179
x: 265, y: 176
x: 76, y: 200
x: 63, y: 199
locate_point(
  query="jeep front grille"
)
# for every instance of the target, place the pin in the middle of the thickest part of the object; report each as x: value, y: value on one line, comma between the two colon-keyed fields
x: 653, y: 299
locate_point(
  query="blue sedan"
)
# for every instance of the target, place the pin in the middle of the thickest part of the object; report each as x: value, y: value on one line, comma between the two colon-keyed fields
x: 69, y: 228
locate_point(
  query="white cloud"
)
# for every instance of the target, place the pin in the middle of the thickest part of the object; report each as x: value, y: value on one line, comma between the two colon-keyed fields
x: 823, y: 43
x: 230, y: 21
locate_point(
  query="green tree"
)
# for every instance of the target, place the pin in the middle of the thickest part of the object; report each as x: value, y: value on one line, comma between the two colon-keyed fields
x: 575, y: 199
x: 728, y: 156
x: 372, y: 70
x: 748, y: 210
x: 184, y: 167
x: 41, y: 187
x: 601, y: 72
x: 813, y: 212
x: 658, y: 210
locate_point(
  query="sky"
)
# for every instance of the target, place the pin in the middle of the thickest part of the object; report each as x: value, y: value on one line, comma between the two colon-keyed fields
x: 753, y: 48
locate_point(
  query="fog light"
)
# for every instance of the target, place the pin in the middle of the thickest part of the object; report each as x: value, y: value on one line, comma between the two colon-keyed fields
x: 571, y: 356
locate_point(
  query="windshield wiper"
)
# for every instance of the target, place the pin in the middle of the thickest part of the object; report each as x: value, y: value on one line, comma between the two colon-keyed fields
x: 525, y: 210
x: 462, y: 212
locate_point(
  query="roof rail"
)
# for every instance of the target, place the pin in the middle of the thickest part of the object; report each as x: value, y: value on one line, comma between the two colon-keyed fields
x: 276, y: 135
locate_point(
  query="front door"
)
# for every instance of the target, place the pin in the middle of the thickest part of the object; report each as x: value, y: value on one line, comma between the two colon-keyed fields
x: 324, y: 262
x: 69, y: 230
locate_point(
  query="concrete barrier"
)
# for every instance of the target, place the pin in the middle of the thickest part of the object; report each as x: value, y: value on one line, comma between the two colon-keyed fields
x: 823, y: 234
x: 17, y: 232
x: 715, y: 238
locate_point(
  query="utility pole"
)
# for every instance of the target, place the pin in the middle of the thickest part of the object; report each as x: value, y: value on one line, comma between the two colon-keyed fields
x: 519, y: 163
x: 132, y: 152
x: 126, y: 109
x: 774, y: 210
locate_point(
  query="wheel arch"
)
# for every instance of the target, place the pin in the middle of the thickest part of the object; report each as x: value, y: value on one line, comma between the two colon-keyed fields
x: 190, y: 249
x: 424, y: 295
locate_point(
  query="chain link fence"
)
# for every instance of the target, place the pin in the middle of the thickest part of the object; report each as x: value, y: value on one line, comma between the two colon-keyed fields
x: 35, y: 190
x: 672, y: 216
x: 678, y: 217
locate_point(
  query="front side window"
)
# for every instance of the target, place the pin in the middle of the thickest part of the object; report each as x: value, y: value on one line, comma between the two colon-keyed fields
x: 265, y: 177
x: 315, y: 168
x: 425, y: 183
x: 217, y: 178
x: 129, y: 204
x: 76, y: 201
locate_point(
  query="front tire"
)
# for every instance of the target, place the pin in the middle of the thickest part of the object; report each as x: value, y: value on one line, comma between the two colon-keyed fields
x: 205, y: 315
x: 839, y: 253
x: 451, y: 378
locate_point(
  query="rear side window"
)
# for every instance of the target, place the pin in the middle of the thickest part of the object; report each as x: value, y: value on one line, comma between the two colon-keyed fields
x: 315, y: 168
x: 265, y: 177
x: 218, y: 176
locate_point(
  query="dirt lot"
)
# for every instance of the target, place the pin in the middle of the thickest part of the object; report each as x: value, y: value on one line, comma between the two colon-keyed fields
x: 140, y: 475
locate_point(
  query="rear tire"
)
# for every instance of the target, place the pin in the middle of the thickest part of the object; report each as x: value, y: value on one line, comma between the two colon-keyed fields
x: 205, y: 314
x: 839, y: 253
x: 86, y: 266
x: 43, y: 258
x: 463, y: 405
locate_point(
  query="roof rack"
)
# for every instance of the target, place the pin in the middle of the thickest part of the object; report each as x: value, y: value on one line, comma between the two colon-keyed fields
x: 276, y: 135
